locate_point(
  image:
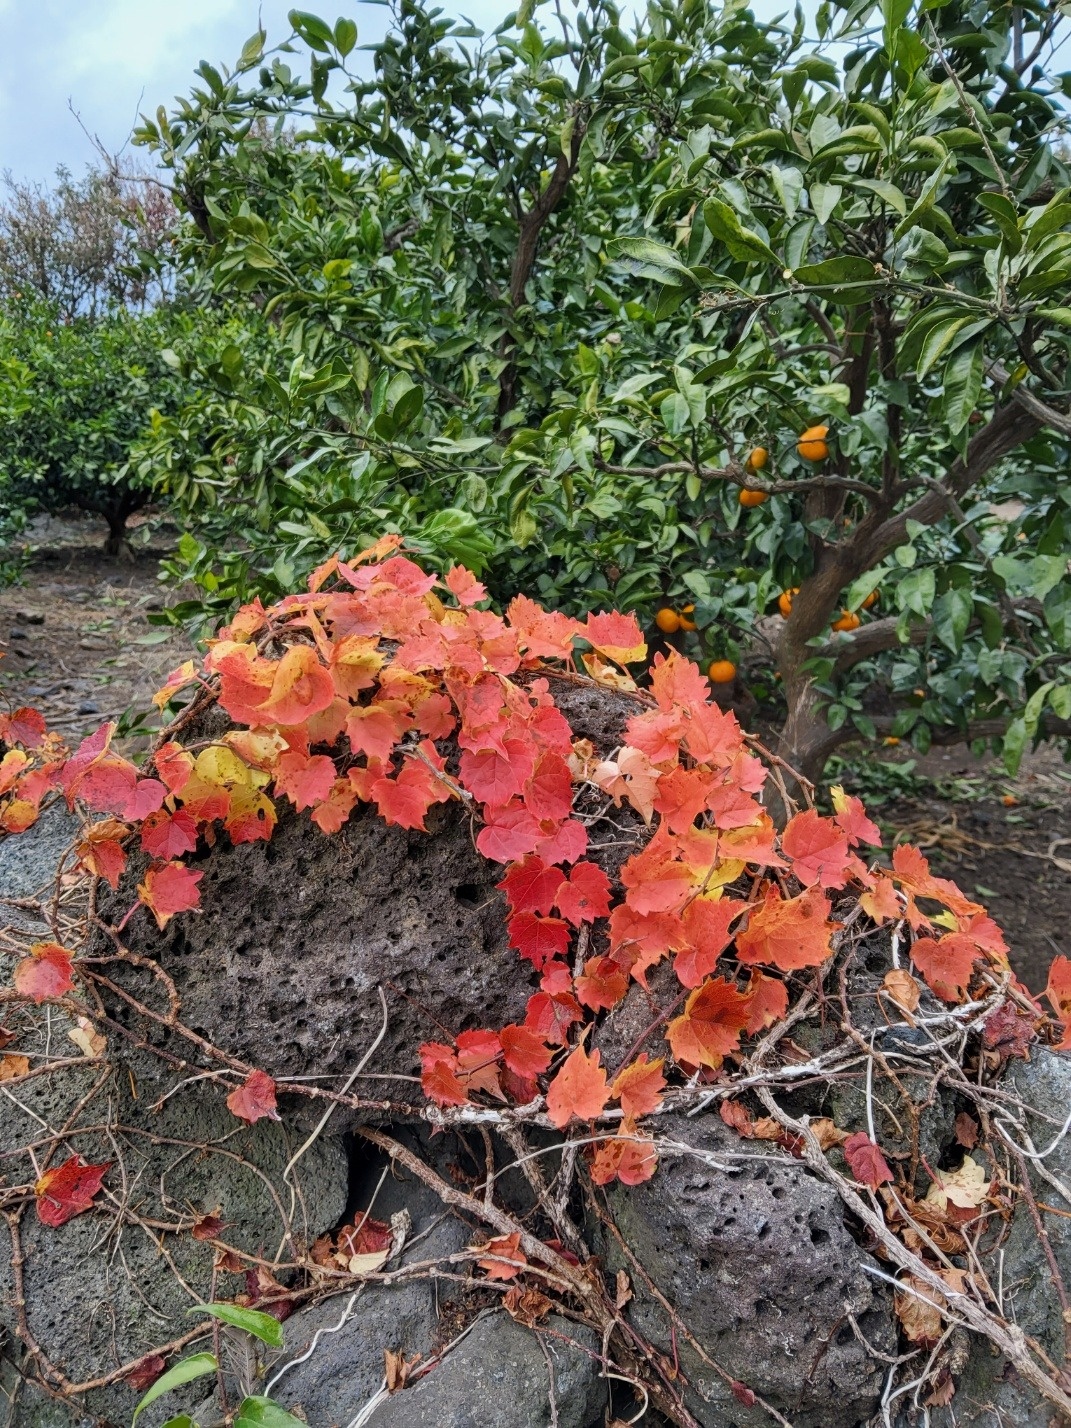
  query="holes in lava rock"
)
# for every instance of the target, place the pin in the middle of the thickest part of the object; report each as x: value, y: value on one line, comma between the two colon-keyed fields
x: 468, y: 895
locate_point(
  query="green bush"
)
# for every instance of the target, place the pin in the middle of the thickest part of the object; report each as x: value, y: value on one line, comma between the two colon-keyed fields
x: 74, y: 399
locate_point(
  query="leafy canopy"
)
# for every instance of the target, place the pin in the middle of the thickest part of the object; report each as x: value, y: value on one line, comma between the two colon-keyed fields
x: 533, y: 298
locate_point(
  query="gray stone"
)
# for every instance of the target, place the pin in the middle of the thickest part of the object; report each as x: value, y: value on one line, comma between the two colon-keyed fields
x: 499, y: 1376
x: 100, y: 1291
x: 989, y: 1391
x: 761, y: 1268
x: 346, y: 1365
x: 28, y: 863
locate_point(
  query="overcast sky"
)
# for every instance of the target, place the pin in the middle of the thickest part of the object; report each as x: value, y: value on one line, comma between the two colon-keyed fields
x: 111, y: 59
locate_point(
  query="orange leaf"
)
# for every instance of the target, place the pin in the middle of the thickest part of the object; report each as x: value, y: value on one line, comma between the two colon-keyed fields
x: 787, y: 933
x: 767, y: 1001
x: 254, y: 1099
x: 505, y: 1247
x: 709, y: 1027
x: 818, y: 848
x: 639, y: 1086
x: 946, y: 965
x: 301, y: 687
x: 624, y: 1157
x: 616, y: 636
x: 579, y: 1089
x: 45, y: 973
x: 438, y: 1075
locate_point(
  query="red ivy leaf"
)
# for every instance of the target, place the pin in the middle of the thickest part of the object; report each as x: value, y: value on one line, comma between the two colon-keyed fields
x: 530, y: 885
x: 538, y: 938
x: 586, y: 895
x: 169, y: 888
x: 168, y: 835
x: 946, y: 965
x: 524, y: 1051
x: 68, y: 1190
x: 45, y: 973
x: 866, y: 1161
x: 818, y: 848
x: 254, y: 1099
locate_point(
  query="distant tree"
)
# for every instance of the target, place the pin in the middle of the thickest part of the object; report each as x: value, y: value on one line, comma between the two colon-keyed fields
x: 84, y: 245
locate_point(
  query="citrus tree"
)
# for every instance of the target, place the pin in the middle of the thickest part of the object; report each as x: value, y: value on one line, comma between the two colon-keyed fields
x: 758, y: 334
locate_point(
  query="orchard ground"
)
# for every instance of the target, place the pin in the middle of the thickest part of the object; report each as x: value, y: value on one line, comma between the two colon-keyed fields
x: 78, y: 645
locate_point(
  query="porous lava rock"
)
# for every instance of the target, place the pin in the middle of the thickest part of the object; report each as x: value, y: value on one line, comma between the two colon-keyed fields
x: 757, y: 1261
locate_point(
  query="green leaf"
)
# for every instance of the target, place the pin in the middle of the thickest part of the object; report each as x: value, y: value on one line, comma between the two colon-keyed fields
x: 915, y: 591
x: 1037, y: 576
x: 185, y: 1371
x: 649, y: 259
x: 963, y: 384
x: 725, y: 228
x: 262, y: 1326
x: 824, y: 199
x: 345, y: 35
x: 258, y: 1412
x: 951, y: 617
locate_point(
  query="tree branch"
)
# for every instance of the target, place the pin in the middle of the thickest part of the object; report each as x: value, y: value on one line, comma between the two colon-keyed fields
x: 1050, y: 416
x: 1008, y: 428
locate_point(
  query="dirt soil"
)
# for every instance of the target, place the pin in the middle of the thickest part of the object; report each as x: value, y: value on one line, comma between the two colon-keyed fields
x: 77, y: 644
x: 1005, y: 841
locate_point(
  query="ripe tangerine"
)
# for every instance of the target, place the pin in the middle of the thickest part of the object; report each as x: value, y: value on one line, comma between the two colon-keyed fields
x: 667, y: 620
x: 721, y: 671
x: 812, y: 445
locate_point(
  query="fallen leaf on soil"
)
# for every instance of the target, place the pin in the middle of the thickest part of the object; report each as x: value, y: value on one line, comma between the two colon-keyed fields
x: 68, y: 1190
x: 397, y: 1368
x: 254, y: 1098
x: 12, y: 1065
x: 527, y: 1306
x: 918, y: 1307
x: 966, y: 1130
x: 828, y: 1134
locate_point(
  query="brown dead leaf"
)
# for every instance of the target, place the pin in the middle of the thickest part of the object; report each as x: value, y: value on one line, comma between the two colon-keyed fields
x: 943, y: 1391
x: 918, y: 1307
x: 12, y: 1066
x: 6, y: 1037
x: 900, y: 987
x: 527, y: 1306
x: 208, y: 1227
x: 736, y: 1116
x: 828, y: 1134
x: 766, y: 1128
x: 624, y: 1290
x: 228, y: 1261
x: 86, y: 1037
x: 966, y: 1130
x: 397, y: 1369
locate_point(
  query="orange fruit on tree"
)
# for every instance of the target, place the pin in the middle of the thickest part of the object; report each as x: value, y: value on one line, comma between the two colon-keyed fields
x: 812, y: 445
x: 784, y: 601
x: 667, y: 620
x: 721, y: 671
x: 871, y: 600
x: 849, y: 620
x: 756, y: 459
x: 753, y: 498
x: 686, y: 614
